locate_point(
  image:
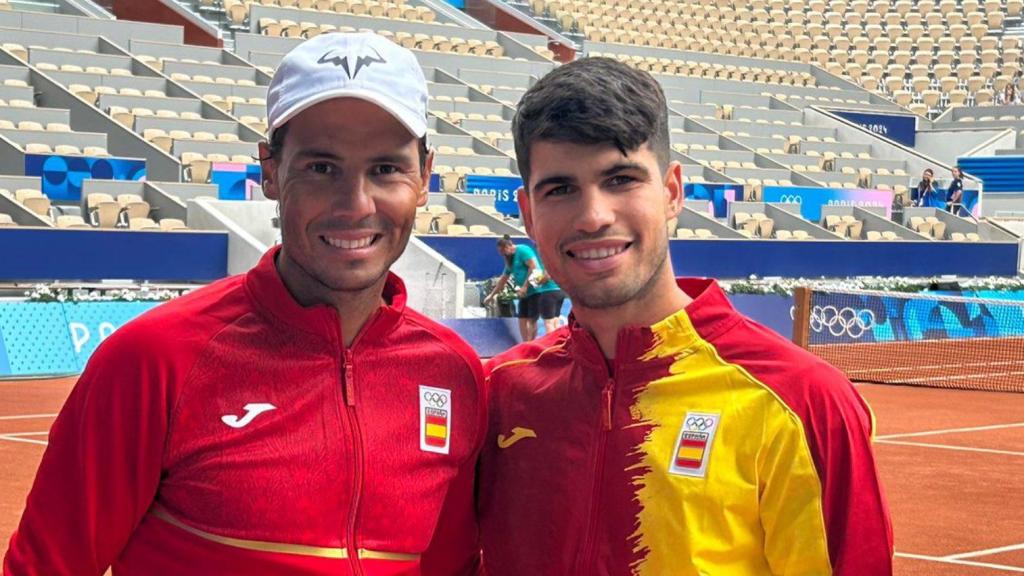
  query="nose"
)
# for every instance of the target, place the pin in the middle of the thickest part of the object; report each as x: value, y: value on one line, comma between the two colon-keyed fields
x: 596, y: 211
x: 353, y: 198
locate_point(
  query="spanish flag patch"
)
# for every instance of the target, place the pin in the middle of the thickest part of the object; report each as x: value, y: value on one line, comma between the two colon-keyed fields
x: 435, y: 419
x: 693, y: 445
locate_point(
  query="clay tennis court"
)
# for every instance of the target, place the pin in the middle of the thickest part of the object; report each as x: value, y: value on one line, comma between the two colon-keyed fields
x: 974, y: 363
x: 952, y: 462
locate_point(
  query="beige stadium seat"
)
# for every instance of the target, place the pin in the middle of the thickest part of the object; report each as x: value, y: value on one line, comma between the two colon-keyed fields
x: 40, y: 205
x: 23, y: 194
x: 479, y: 230
x: 67, y: 150
x: 71, y: 221
x: 142, y: 224
x: 38, y: 148
x: 457, y: 230
x: 172, y: 224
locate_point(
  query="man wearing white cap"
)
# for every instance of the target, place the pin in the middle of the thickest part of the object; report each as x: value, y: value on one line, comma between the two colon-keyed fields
x: 299, y: 418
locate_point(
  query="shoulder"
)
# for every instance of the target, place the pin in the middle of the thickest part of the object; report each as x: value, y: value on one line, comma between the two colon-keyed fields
x: 179, y: 327
x: 525, y: 251
x: 814, y: 390
x: 446, y: 340
x: 527, y: 353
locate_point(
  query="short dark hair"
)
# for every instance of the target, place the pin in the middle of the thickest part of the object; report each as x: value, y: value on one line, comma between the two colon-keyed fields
x: 505, y: 241
x: 276, y: 145
x: 593, y: 101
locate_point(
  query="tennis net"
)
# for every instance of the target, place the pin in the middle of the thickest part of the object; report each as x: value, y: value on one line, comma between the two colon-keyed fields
x: 915, y: 339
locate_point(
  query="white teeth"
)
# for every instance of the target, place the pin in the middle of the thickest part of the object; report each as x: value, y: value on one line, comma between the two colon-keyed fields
x: 599, y: 253
x: 349, y: 244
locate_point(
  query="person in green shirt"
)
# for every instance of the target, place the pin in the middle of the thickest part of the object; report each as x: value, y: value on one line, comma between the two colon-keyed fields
x: 539, y: 296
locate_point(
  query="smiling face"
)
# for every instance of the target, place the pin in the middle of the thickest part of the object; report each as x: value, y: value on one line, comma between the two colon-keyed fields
x: 598, y: 218
x: 347, y: 180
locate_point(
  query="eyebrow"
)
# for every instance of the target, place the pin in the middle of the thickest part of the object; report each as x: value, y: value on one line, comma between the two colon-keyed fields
x: 610, y: 171
x: 316, y: 153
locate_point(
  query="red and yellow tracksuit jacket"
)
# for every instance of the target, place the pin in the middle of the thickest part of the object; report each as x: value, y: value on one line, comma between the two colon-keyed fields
x: 231, y: 432
x: 708, y: 446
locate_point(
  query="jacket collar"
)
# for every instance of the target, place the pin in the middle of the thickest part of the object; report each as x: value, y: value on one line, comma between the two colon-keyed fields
x: 709, y: 314
x: 265, y: 286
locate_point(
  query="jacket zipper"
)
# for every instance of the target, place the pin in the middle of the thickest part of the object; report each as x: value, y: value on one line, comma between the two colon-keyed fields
x: 607, y: 405
x: 349, y: 393
x: 357, y: 461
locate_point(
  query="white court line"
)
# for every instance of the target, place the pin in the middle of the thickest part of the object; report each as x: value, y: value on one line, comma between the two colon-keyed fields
x: 948, y: 447
x: 951, y: 430
x: 26, y: 416
x: 22, y: 434
x: 961, y: 562
x: 25, y: 440
x: 985, y: 552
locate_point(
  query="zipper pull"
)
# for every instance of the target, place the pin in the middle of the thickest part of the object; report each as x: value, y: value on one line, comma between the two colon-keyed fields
x: 606, y: 394
x: 350, y: 389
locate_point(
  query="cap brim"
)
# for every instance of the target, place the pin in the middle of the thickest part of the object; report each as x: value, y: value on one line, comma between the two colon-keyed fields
x: 416, y: 125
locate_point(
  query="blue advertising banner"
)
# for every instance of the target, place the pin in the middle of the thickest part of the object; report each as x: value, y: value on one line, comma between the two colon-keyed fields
x: 235, y: 180
x: 50, y: 338
x: 720, y: 195
x: 849, y: 318
x: 811, y: 199
x: 504, y: 189
x: 62, y: 176
x: 900, y: 128
x: 5, y: 365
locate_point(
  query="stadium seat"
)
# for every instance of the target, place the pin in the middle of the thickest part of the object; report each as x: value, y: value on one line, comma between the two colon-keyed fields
x: 71, y: 221
x: 142, y: 224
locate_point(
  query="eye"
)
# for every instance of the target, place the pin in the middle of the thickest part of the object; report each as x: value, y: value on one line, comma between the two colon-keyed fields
x: 321, y: 168
x: 621, y: 180
x: 557, y: 191
x: 386, y: 170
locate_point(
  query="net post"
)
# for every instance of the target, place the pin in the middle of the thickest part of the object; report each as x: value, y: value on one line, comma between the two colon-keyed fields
x: 802, y: 316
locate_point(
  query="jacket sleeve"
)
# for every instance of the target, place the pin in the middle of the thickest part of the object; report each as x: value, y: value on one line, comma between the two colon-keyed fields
x: 822, y: 503
x: 101, y: 467
x: 455, y: 547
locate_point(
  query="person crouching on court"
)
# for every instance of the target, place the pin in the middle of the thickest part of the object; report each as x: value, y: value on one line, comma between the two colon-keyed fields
x: 299, y: 418
x: 661, y: 432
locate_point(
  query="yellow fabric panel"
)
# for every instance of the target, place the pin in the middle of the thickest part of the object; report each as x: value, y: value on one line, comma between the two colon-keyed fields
x: 713, y: 525
x: 437, y: 431
x: 689, y: 453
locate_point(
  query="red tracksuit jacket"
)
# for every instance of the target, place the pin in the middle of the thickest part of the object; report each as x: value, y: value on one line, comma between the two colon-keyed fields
x: 709, y: 446
x: 231, y: 432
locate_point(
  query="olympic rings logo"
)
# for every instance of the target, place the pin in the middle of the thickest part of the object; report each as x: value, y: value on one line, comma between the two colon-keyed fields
x: 842, y: 321
x: 435, y: 399
x: 791, y: 199
x: 699, y: 424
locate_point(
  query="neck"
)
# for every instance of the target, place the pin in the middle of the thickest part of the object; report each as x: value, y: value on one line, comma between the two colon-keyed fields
x: 354, y: 307
x: 662, y: 299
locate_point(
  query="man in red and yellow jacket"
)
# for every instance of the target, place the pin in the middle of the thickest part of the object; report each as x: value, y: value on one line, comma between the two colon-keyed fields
x: 297, y: 419
x: 661, y: 432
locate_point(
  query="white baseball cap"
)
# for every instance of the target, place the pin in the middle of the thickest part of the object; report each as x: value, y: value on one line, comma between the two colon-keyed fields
x: 358, y: 65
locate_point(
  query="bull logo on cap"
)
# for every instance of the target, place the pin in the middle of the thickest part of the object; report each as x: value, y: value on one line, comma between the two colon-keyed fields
x: 361, y: 62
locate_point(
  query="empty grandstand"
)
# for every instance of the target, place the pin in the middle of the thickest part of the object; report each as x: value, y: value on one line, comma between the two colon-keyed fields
x: 802, y: 122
